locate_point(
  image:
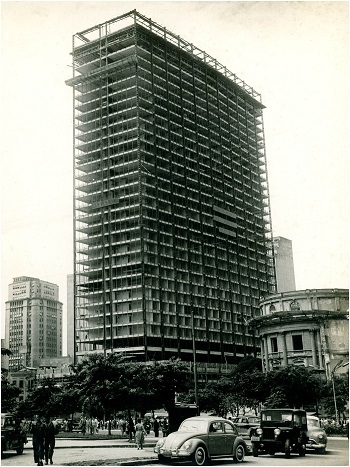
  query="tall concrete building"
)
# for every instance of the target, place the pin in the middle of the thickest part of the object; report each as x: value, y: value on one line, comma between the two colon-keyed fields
x: 173, y: 244
x: 284, y: 263
x: 70, y: 316
x: 33, y: 322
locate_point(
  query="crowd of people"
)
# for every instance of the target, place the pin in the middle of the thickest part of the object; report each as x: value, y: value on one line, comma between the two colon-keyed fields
x: 126, y: 426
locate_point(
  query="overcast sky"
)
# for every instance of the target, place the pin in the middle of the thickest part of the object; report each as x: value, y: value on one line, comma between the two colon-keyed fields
x: 294, y: 53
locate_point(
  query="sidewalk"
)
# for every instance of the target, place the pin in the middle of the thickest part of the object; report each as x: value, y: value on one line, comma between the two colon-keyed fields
x: 126, y: 453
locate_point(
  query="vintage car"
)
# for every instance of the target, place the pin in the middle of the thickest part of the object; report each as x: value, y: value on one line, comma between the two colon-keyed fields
x: 200, y: 439
x: 245, y: 424
x: 13, y: 437
x: 317, y: 435
x: 281, y: 430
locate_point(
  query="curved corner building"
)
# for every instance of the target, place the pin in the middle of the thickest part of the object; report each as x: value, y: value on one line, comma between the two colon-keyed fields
x: 172, y: 216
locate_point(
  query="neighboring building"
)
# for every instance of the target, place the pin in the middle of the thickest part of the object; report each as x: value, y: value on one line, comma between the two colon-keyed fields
x: 172, y: 211
x: 70, y: 316
x: 284, y: 264
x: 58, y: 369
x: 33, y: 326
x: 4, y: 356
x: 306, y: 328
x: 25, y: 380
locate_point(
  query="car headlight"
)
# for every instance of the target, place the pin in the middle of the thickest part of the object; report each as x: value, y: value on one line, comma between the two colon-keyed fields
x: 259, y: 431
x: 160, y: 443
x: 277, y: 431
x: 187, y: 445
x: 320, y: 436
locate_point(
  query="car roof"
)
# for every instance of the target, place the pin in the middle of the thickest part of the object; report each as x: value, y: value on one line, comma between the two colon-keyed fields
x: 208, y: 418
x: 283, y: 410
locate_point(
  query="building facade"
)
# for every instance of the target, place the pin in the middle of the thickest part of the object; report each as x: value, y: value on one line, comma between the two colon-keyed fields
x: 33, y: 322
x: 70, y: 316
x: 305, y: 328
x: 284, y: 264
x: 172, y: 215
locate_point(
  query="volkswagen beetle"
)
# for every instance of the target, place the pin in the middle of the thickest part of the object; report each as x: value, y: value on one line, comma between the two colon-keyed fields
x: 200, y: 439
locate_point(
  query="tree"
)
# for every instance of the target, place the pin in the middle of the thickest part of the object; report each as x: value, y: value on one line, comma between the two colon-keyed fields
x: 168, y: 378
x: 9, y: 394
x: 341, y: 394
x: 99, y: 382
x: 293, y: 386
x: 43, y: 399
x: 111, y: 383
x: 248, y: 382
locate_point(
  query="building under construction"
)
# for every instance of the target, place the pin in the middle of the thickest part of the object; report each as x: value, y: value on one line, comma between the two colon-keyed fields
x: 173, y: 241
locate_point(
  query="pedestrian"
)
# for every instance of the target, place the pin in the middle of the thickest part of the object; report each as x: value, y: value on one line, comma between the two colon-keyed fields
x: 156, y: 427
x: 38, y: 439
x: 49, y: 440
x: 82, y: 425
x: 131, y: 429
x: 139, y: 434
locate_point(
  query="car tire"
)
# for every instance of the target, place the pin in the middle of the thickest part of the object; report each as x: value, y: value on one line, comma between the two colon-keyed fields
x: 238, y: 454
x: 199, y: 457
x: 302, y: 450
x: 287, y: 448
x: 320, y: 451
x: 20, y: 449
x: 164, y: 460
x: 271, y: 452
x: 255, y: 449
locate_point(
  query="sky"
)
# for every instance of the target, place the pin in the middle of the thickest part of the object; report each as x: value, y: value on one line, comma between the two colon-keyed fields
x: 294, y: 53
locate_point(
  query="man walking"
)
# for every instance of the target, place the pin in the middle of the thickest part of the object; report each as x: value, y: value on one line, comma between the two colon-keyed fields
x: 38, y: 439
x: 49, y: 440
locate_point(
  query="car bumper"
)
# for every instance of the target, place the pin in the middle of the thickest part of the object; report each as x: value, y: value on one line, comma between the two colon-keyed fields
x: 312, y: 444
x: 173, y: 453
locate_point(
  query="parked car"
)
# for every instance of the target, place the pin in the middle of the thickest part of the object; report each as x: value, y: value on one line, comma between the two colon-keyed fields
x: 317, y: 435
x: 13, y: 437
x: 281, y: 430
x: 200, y: 439
x: 245, y: 424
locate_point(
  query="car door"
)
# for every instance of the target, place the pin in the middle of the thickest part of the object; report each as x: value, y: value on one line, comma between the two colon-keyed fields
x: 216, y: 439
x: 230, y: 437
x: 244, y: 425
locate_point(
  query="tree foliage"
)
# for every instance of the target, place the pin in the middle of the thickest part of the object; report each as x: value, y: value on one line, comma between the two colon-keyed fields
x: 341, y: 394
x: 111, y: 383
x: 291, y: 386
x: 9, y: 394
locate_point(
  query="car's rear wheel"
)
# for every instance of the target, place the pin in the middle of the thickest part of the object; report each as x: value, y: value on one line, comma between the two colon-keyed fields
x: 255, y: 449
x: 238, y: 454
x: 199, y: 457
x: 271, y: 452
x: 287, y: 448
x: 20, y: 449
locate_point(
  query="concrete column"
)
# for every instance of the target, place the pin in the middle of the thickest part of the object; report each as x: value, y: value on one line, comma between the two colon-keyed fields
x: 262, y: 354
x: 267, y: 366
x: 313, y: 348
x: 319, y: 349
x: 284, y: 349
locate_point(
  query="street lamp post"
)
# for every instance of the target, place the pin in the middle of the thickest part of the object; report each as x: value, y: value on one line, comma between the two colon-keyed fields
x: 194, y: 363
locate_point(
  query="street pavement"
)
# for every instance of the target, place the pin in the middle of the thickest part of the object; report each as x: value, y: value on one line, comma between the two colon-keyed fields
x: 110, y: 451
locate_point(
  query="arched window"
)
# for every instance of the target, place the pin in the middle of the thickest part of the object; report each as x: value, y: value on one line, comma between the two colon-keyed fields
x: 272, y: 308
